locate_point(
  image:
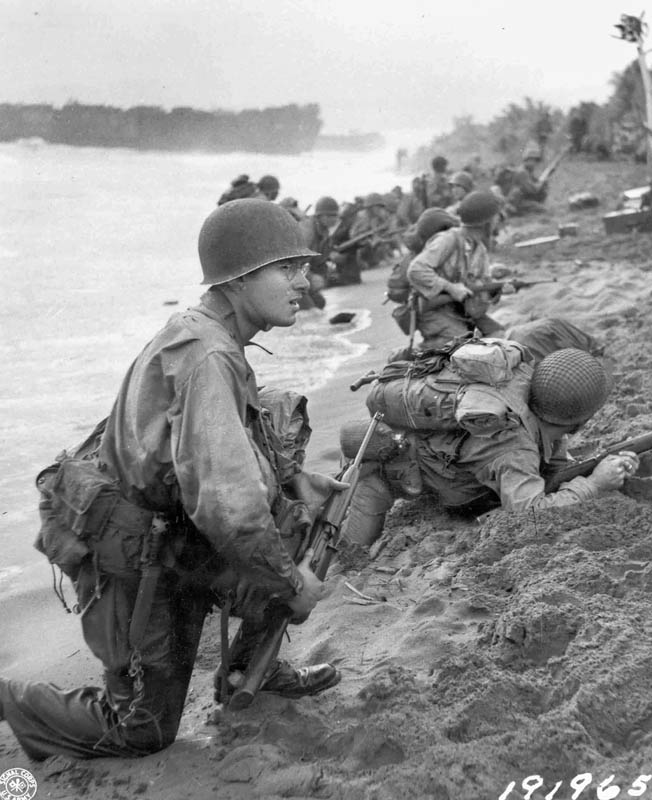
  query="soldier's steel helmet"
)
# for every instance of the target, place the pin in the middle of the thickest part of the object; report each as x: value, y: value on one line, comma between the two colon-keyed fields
x: 374, y: 199
x: 568, y: 387
x: 433, y: 220
x: 326, y: 205
x: 463, y: 179
x: 478, y: 207
x: 244, y: 235
x: 439, y: 164
x: 269, y: 182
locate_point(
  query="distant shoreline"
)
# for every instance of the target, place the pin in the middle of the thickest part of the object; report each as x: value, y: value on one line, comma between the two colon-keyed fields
x: 283, y: 129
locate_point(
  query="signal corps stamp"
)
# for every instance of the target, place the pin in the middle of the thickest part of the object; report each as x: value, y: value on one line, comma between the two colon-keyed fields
x: 17, y: 784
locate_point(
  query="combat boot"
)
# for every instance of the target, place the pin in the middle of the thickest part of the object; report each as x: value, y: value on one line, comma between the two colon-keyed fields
x: 285, y: 680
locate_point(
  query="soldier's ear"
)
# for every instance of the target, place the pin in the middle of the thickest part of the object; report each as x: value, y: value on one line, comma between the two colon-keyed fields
x: 236, y: 285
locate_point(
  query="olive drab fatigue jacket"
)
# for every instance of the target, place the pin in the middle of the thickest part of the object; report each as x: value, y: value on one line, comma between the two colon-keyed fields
x: 526, y: 187
x: 448, y: 257
x: 507, y: 462
x: 182, y: 419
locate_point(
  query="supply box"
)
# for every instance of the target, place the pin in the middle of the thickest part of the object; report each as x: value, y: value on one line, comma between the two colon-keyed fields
x: 629, y: 219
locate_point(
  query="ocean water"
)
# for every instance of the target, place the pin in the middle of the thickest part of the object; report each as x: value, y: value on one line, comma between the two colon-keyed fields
x: 97, y: 249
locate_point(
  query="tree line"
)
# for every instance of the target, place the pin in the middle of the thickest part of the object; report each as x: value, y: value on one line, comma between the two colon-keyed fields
x: 283, y: 129
x: 615, y: 128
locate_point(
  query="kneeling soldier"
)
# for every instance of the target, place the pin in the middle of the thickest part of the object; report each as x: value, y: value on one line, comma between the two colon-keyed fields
x: 176, y: 503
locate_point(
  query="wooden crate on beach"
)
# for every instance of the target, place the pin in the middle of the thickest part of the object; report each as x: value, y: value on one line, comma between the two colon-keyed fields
x: 628, y: 220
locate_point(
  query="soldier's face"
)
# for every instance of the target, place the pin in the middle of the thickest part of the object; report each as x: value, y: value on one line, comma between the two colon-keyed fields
x: 458, y: 192
x: 271, y: 294
x: 329, y: 221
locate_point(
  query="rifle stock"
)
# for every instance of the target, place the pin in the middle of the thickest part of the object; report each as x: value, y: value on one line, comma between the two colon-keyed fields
x: 324, y: 538
x: 639, y: 444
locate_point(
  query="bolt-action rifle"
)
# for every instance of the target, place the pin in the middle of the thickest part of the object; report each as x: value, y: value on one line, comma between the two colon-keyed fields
x: 381, y: 231
x: 552, y: 166
x: 324, y: 538
x: 517, y: 283
x: 494, y: 287
x: 554, y: 479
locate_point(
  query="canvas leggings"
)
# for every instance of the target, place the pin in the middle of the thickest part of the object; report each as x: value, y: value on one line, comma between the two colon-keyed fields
x: 91, y: 721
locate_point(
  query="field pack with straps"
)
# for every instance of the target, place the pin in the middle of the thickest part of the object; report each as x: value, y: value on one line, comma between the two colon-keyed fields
x: 480, y: 385
x: 398, y: 286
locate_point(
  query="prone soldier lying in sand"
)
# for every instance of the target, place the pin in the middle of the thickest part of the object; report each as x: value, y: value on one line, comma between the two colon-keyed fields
x: 480, y: 429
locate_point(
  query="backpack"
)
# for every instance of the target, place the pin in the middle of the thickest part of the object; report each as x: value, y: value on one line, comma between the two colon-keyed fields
x: 75, y: 503
x: 398, y: 286
x: 83, y: 514
x: 479, y: 385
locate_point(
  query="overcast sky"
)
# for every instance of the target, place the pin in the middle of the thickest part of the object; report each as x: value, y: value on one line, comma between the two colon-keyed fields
x: 371, y: 65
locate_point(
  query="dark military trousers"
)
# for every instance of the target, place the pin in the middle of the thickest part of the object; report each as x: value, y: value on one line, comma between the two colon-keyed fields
x: 92, y: 721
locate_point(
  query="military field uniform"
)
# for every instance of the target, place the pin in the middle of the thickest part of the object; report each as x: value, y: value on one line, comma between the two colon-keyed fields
x: 526, y: 194
x: 319, y: 239
x: 500, y: 465
x: 438, y: 190
x: 449, y: 257
x: 184, y: 440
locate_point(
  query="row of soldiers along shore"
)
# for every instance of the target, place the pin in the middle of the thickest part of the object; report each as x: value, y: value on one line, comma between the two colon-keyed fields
x: 369, y: 230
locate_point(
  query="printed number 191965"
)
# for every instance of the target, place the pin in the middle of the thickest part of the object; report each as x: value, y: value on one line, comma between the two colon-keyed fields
x: 606, y: 790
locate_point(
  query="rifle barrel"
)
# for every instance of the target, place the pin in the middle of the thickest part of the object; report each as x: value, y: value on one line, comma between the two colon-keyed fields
x: 266, y: 651
x: 517, y: 283
x: 638, y: 444
x: 324, y: 532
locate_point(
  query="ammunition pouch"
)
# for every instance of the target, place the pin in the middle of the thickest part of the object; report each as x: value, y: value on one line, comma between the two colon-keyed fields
x: 83, y: 514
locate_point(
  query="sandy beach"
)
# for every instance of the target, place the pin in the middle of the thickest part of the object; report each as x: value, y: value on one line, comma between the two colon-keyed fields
x: 486, y: 651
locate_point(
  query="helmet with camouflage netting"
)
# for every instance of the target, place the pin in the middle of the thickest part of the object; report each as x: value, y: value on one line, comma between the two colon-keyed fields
x: 568, y: 387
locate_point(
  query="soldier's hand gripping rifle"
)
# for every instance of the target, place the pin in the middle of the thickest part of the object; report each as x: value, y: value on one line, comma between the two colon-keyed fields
x: 554, y: 479
x: 324, y: 538
x: 468, y: 306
